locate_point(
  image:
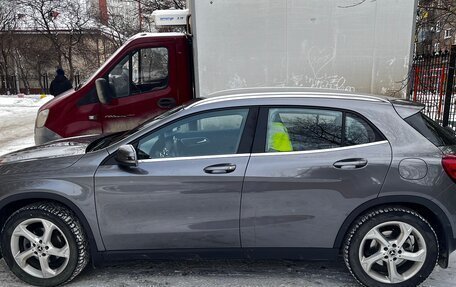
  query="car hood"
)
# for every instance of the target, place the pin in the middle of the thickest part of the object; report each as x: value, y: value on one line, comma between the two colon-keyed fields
x: 68, y: 150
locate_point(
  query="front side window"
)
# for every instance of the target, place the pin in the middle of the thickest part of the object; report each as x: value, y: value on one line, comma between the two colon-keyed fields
x: 302, y: 129
x: 142, y: 71
x: 211, y: 133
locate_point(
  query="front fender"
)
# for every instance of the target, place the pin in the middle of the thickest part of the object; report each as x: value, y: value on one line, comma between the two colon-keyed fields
x: 25, y: 198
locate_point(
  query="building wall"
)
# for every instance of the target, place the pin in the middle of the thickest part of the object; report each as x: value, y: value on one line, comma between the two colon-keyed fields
x: 117, y: 10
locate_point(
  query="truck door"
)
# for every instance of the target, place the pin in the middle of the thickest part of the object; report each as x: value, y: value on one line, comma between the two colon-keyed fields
x: 142, y: 85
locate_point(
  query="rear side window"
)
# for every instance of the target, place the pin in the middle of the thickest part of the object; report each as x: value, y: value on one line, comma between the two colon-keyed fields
x: 431, y: 130
x: 303, y: 129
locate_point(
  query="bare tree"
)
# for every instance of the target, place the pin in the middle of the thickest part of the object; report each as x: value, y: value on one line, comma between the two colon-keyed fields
x: 63, y: 22
x: 121, y: 26
x: 433, y: 18
x: 34, y: 57
x: 146, y: 7
x: 7, y: 23
x: 433, y: 11
x: 7, y: 17
x: 118, y: 27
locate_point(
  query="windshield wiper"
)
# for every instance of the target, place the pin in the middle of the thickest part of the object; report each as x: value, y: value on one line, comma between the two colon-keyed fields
x: 102, y: 142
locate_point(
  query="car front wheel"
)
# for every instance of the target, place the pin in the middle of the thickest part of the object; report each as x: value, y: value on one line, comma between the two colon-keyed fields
x: 44, y: 244
x: 391, y: 246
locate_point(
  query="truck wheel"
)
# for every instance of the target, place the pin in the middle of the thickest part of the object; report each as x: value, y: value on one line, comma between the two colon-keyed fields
x: 391, y: 246
x: 44, y: 244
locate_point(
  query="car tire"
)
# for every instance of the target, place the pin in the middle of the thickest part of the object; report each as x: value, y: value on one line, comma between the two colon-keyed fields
x: 391, y: 246
x: 49, y: 243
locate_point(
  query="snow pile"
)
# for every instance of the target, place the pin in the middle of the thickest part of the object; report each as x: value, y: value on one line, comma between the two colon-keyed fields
x: 24, y: 100
x: 17, y: 119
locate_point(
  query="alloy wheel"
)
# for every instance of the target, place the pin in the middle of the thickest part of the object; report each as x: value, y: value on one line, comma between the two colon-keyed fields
x: 392, y: 252
x: 40, y: 248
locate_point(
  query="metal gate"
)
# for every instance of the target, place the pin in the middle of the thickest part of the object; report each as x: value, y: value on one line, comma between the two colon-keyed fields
x: 432, y: 83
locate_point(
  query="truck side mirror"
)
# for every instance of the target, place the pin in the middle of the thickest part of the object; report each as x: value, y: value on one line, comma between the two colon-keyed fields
x: 102, y: 90
x: 126, y: 156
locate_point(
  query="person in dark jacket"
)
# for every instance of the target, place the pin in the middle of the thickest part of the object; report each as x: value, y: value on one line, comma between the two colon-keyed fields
x: 60, y: 83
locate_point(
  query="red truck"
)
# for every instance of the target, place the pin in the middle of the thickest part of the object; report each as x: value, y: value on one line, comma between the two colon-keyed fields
x: 148, y: 75
x: 238, y: 44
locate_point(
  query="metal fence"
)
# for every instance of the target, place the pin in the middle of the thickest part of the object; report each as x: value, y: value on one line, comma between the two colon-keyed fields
x: 32, y: 84
x: 433, y: 84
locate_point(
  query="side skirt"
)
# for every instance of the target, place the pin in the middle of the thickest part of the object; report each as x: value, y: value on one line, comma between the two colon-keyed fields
x: 307, y: 254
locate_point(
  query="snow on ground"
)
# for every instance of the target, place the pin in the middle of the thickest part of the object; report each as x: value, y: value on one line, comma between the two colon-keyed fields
x: 223, y: 273
x: 17, y: 117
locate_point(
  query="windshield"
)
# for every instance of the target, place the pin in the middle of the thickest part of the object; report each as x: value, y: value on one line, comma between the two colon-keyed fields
x: 107, y: 62
x: 154, y: 120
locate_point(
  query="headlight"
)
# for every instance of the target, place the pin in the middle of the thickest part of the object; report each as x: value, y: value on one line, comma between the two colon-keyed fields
x: 41, y: 118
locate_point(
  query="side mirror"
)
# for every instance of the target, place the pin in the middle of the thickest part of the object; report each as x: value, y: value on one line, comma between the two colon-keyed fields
x: 102, y: 90
x: 126, y: 156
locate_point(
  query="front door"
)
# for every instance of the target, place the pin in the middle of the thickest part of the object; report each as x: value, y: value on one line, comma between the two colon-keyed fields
x: 186, y: 190
x: 141, y: 85
x: 312, y: 167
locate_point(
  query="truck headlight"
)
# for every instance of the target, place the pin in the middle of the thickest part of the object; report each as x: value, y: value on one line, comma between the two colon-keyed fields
x: 41, y: 118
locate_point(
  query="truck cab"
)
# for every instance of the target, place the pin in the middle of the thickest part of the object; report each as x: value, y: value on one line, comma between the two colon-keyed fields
x: 148, y: 75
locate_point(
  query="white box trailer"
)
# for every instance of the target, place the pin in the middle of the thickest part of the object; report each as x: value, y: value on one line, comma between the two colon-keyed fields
x: 355, y: 45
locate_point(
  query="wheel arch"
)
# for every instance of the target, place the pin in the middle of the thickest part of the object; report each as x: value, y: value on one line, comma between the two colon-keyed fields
x: 12, y: 203
x: 425, y: 207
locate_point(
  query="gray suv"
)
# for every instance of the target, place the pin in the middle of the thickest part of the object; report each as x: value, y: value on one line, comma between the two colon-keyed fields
x: 256, y: 174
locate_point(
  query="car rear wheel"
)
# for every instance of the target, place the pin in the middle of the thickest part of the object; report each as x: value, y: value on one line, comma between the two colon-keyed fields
x: 391, y: 246
x: 44, y: 244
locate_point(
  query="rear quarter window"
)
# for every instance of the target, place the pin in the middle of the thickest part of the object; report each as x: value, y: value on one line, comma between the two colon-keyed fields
x: 358, y: 131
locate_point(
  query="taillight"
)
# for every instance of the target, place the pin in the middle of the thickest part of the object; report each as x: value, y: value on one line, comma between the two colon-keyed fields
x: 449, y: 165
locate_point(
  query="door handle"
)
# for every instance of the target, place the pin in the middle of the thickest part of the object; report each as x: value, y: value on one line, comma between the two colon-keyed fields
x: 166, y: 103
x: 194, y: 141
x: 350, y: 163
x: 220, y: 168
x: 204, y: 140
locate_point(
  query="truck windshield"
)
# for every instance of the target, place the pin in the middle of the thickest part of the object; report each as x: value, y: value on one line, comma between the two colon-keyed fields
x: 106, y: 63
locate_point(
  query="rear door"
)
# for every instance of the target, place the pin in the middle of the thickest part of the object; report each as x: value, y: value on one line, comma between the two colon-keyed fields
x: 311, y: 167
x: 142, y: 84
